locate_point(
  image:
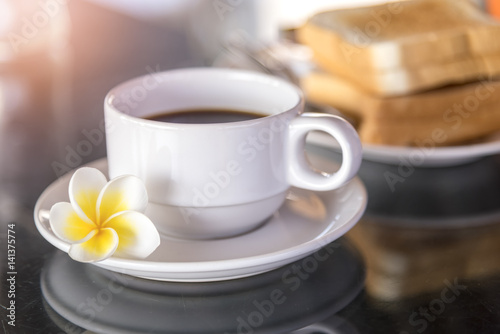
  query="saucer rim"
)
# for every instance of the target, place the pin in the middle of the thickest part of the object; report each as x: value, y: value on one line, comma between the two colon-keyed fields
x: 279, y: 257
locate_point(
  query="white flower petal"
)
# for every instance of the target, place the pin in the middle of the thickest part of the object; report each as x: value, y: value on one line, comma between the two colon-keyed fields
x: 84, y: 189
x: 124, y: 193
x: 138, y: 237
x: 101, y: 246
x: 67, y: 224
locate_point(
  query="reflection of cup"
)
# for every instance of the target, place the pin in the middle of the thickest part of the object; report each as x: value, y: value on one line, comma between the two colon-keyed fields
x: 316, y: 329
x: 222, y: 178
x: 333, y: 325
x: 278, y: 301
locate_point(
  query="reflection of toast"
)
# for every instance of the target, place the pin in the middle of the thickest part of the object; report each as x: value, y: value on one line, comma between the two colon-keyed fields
x: 404, y: 262
x: 404, y: 47
x: 444, y: 116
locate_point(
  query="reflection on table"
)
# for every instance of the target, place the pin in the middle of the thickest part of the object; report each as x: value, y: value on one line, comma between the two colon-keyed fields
x: 80, y: 295
x: 431, y: 247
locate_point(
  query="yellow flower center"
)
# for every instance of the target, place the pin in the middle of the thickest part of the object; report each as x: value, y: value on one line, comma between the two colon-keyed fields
x: 87, y: 199
x: 113, y: 202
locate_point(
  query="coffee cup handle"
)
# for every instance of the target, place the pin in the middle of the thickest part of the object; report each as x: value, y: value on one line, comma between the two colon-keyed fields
x: 300, y: 173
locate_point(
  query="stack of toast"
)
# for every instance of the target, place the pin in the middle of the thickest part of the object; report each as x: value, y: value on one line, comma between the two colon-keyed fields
x: 412, y: 71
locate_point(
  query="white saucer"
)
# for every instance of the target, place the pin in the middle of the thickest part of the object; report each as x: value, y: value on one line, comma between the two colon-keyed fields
x: 419, y: 157
x: 305, y: 223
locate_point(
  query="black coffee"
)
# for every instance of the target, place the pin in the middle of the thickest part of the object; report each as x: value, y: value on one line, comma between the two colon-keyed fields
x: 205, y: 116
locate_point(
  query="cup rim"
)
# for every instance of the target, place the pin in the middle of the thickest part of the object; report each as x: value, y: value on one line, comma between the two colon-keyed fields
x: 112, y: 95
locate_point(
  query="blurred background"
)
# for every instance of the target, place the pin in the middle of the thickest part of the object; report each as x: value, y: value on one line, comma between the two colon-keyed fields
x: 59, y: 58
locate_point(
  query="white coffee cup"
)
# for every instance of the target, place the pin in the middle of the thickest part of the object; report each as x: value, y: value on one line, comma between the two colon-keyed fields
x: 220, y: 179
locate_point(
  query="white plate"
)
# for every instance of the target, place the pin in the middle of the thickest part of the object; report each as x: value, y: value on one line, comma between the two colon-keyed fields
x: 419, y: 157
x: 305, y: 223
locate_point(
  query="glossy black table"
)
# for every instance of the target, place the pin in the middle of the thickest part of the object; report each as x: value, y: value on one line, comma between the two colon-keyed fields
x: 423, y: 259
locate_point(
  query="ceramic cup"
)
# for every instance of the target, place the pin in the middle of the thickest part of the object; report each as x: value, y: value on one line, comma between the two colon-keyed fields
x: 221, y: 179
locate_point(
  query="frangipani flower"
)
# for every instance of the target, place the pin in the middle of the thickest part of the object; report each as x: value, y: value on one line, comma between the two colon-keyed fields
x: 104, y: 218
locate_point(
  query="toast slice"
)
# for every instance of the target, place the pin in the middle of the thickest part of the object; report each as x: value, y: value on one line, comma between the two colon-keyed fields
x: 404, y: 47
x: 448, y: 115
x: 402, y: 81
x: 403, y: 34
x: 326, y: 89
x: 483, y: 122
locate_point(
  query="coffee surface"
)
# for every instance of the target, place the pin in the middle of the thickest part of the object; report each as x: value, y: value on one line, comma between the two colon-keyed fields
x: 205, y: 116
